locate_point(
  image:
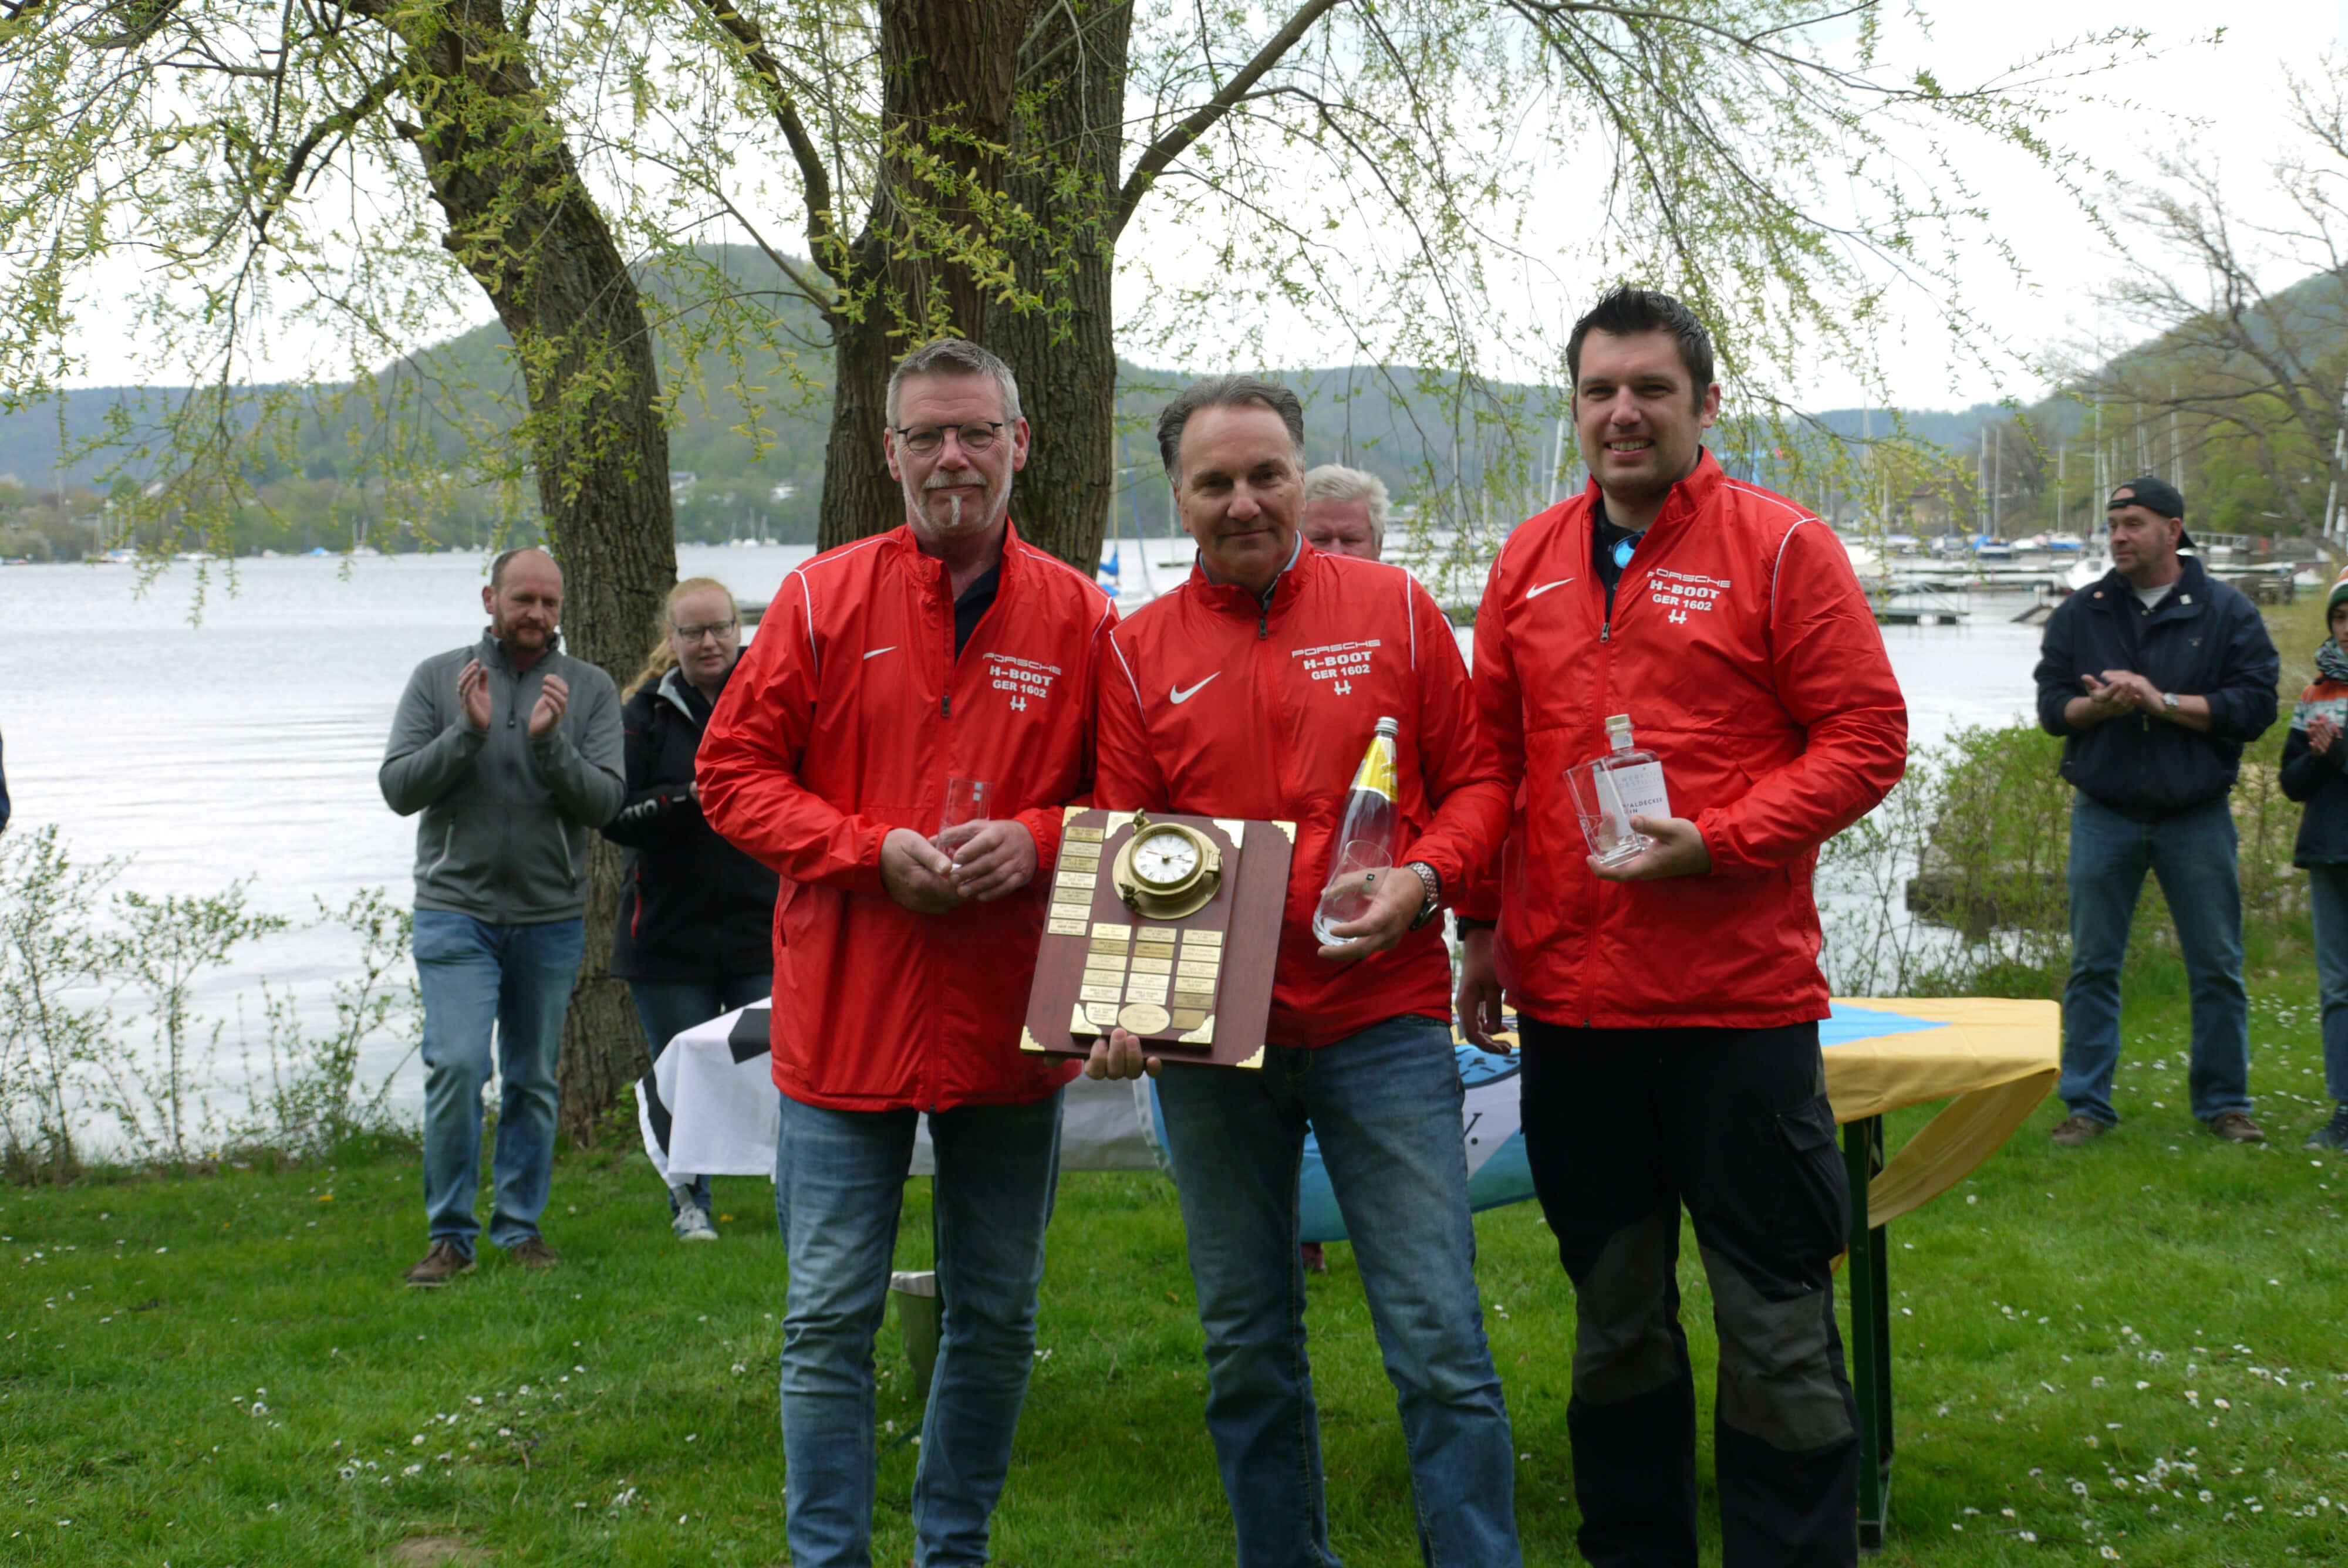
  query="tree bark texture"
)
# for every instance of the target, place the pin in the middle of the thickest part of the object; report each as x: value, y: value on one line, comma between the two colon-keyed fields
x: 521, y: 222
x: 949, y: 76
x: 1064, y: 174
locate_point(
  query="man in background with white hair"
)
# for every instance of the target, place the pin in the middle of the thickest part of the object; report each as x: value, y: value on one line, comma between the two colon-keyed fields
x: 1345, y: 511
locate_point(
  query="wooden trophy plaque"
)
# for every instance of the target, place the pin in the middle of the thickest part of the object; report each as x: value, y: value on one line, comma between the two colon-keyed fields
x: 1165, y: 926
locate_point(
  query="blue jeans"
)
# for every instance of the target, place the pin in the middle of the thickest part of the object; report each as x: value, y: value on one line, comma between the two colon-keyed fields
x: 839, y: 1181
x: 1386, y: 1105
x: 2327, y: 896
x: 2193, y: 855
x: 481, y: 980
x: 667, y: 1008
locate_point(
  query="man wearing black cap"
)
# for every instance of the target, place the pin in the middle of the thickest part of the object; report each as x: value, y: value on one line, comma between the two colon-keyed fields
x: 2155, y: 677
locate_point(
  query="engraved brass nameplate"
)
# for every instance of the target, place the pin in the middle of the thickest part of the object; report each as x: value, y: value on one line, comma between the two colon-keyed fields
x: 1143, y: 1019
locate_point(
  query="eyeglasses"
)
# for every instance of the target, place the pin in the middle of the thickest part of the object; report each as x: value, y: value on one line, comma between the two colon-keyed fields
x: 695, y: 633
x: 921, y: 440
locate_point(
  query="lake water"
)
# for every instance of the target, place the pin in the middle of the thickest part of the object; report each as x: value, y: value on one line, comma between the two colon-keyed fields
x: 244, y: 742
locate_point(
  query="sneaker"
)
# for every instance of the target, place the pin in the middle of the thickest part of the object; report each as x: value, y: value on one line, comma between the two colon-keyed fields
x: 2332, y: 1135
x: 692, y: 1222
x: 2235, y: 1127
x: 2078, y: 1130
x: 532, y: 1253
x: 440, y: 1266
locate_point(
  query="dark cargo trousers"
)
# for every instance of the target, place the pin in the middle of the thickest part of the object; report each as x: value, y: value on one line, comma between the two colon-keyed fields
x: 1621, y: 1128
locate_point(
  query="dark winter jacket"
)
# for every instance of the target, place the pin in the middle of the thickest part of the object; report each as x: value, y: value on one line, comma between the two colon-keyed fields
x: 692, y: 906
x: 2318, y: 779
x: 2205, y: 639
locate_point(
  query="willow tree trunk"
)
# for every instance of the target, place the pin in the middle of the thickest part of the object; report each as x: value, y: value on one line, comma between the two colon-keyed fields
x: 859, y: 496
x: 1064, y: 174
x: 526, y: 230
x: 949, y: 77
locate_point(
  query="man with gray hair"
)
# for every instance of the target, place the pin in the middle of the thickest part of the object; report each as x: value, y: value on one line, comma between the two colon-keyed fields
x: 944, y: 650
x: 1345, y: 511
x: 1319, y: 648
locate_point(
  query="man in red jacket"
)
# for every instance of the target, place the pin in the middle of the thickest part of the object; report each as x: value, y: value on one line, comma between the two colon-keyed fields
x: 945, y: 647
x: 1253, y: 690
x: 1669, y: 1006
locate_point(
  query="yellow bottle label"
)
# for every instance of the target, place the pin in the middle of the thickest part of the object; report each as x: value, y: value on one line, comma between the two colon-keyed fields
x: 1377, y: 770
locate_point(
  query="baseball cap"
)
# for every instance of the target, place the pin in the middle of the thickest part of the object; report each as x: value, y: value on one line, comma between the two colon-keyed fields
x: 2153, y: 495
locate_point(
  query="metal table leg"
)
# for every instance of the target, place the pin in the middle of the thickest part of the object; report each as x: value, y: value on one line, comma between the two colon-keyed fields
x: 1870, y: 1333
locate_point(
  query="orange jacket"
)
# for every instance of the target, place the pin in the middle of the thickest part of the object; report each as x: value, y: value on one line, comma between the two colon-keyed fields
x: 849, y: 713
x: 1214, y: 705
x: 1745, y: 651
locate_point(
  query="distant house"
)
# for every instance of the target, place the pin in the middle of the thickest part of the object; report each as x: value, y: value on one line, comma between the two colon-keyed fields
x: 681, y: 482
x: 1927, y: 509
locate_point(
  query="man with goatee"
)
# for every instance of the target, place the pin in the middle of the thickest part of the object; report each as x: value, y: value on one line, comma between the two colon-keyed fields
x: 944, y: 649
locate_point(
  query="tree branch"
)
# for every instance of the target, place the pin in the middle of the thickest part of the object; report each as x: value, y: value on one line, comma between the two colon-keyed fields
x: 336, y: 123
x: 1030, y: 70
x: 822, y: 233
x: 1170, y: 147
x: 141, y: 20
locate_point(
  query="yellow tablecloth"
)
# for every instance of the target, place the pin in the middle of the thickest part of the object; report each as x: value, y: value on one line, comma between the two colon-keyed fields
x: 1998, y: 1058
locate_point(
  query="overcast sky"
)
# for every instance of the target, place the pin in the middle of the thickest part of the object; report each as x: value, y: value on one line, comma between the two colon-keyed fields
x: 2226, y: 100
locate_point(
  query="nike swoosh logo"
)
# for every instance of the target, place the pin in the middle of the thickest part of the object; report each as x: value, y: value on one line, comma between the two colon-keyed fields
x: 876, y: 652
x: 1537, y: 591
x: 1176, y: 693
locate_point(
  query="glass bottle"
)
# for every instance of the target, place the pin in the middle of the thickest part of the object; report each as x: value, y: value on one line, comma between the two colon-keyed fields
x: 1366, y: 835
x: 1611, y: 789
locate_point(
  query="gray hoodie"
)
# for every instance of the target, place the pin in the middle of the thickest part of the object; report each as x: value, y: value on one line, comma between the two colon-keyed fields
x: 506, y: 816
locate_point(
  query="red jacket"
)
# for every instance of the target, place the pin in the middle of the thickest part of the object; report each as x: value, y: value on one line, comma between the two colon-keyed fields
x: 846, y: 718
x: 1214, y: 705
x: 1745, y: 651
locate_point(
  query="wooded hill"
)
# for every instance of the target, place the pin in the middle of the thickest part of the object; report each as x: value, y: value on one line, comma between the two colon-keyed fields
x: 750, y: 435
x: 747, y: 438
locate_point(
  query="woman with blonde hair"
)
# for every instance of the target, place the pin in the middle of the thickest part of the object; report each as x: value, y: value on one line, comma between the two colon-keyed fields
x: 696, y: 913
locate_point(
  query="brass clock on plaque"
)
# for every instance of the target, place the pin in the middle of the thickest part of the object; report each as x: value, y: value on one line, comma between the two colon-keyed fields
x: 1164, y: 925
x: 1167, y: 870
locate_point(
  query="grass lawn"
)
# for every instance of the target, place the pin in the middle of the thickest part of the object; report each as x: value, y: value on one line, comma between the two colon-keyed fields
x: 2138, y: 1348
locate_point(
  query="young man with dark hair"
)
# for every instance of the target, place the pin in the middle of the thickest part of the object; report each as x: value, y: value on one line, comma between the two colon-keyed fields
x: 1669, y: 1005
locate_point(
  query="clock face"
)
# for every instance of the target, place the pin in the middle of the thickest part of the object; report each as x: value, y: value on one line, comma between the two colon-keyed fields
x: 1163, y: 859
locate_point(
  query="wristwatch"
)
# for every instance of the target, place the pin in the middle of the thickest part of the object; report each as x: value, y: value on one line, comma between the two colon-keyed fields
x: 2168, y: 703
x: 1433, y: 883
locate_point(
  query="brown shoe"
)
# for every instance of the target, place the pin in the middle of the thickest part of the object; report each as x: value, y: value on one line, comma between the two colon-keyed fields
x: 2235, y: 1127
x: 2078, y: 1130
x: 533, y: 1253
x: 441, y: 1264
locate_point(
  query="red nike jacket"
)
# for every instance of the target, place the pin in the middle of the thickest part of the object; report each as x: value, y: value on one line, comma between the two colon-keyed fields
x: 1745, y: 651
x: 1213, y: 704
x: 847, y: 717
